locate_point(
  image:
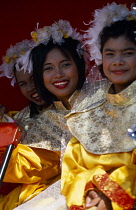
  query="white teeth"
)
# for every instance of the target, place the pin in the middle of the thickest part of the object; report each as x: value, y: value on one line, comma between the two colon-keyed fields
x: 60, y: 83
x: 35, y: 95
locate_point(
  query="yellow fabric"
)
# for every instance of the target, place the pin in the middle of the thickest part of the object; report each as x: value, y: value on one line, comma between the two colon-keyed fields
x: 36, y: 162
x: 35, y: 169
x: 101, y: 145
x: 80, y: 166
x: 12, y: 113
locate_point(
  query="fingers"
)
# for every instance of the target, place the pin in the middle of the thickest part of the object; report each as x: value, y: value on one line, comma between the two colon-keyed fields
x: 99, y: 200
x: 101, y: 205
x: 92, y: 194
x: 92, y: 199
x: 94, y: 202
x: 105, y: 203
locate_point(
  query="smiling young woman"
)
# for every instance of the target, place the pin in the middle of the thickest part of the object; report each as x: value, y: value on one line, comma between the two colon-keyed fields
x: 59, y: 70
x: 55, y: 72
x: 99, y: 167
x: 60, y: 75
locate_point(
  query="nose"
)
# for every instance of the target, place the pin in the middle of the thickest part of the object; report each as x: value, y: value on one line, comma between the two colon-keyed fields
x: 118, y: 60
x: 59, y: 72
x: 30, y: 86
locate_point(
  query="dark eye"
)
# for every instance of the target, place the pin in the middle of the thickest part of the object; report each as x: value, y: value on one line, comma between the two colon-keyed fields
x: 129, y: 53
x: 47, y: 68
x: 109, y: 54
x: 22, y: 84
x: 66, y: 64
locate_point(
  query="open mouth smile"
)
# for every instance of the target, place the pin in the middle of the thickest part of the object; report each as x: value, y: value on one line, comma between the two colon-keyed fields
x: 61, y: 84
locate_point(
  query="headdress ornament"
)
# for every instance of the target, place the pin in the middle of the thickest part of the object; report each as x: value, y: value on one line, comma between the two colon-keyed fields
x: 102, y: 18
x: 12, y: 56
x: 58, y: 32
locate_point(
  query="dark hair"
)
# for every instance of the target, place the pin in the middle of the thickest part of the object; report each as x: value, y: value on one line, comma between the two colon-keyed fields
x: 120, y: 28
x: 34, y: 109
x: 38, y: 56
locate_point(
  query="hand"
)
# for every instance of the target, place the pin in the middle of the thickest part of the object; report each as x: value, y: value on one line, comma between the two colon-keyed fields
x: 97, y: 199
x: 2, y: 111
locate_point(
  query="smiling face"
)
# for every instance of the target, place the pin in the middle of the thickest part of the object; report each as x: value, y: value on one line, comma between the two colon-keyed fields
x: 27, y: 87
x: 60, y: 74
x: 119, y: 62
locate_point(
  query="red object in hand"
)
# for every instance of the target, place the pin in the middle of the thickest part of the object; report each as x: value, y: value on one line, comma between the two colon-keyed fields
x: 9, y: 137
x: 9, y: 134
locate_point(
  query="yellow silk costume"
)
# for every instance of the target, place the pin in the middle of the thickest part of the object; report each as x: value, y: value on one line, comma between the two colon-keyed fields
x: 35, y: 164
x: 101, y: 155
x: 35, y: 169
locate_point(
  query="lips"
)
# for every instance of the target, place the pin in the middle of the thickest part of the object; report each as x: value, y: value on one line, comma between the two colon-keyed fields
x: 119, y: 71
x: 35, y: 96
x: 61, y: 84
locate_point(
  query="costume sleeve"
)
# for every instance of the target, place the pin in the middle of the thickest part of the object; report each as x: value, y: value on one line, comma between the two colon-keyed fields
x: 29, y: 165
x: 75, y: 174
x: 109, y: 173
x: 34, y: 169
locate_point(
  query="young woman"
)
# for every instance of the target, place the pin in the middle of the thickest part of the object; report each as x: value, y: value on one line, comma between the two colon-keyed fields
x: 58, y: 63
x: 8, y: 69
x: 59, y: 73
x: 37, y: 161
x: 46, y: 133
x: 99, y: 165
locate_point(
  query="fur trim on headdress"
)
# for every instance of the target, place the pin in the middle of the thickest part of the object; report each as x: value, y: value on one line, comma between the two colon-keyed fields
x: 102, y: 18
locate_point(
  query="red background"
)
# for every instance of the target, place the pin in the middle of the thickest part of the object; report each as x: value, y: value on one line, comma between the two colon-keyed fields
x: 19, y: 17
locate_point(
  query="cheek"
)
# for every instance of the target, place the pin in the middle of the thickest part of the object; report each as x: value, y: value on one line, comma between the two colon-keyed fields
x: 74, y: 73
x: 46, y: 79
x: 105, y: 66
x: 23, y: 91
x: 133, y: 64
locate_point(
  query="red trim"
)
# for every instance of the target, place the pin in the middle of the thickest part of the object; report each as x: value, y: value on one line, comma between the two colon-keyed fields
x: 75, y: 207
x: 114, y: 191
x: 89, y: 186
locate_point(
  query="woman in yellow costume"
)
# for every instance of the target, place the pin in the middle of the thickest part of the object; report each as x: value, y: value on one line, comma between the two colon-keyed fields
x: 26, y: 118
x: 36, y: 162
x: 99, y: 164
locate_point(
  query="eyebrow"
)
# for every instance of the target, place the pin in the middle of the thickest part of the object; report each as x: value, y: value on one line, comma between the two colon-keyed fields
x: 60, y: 62
x: 20, y: 82
x: 129, y: 48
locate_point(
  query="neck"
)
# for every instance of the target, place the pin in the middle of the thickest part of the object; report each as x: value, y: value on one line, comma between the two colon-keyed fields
x: 115, y: 89
x: 65, y: 102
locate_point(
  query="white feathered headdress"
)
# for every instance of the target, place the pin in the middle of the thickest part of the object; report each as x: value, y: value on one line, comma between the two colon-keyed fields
x: 102, y: 18
x: 57, y: 31
x: 12, y: 55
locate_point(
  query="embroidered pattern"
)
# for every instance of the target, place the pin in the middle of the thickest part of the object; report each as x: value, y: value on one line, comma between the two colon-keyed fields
x: 114, y: 191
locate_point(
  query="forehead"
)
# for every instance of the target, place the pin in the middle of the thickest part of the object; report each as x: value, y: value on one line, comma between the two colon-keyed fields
x: 57, y: 53
x: 21, y: 75
x: 119, y: 43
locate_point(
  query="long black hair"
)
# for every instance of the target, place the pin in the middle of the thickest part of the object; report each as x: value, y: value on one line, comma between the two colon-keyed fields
x: 120, y: 28
x: 38, y: 56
